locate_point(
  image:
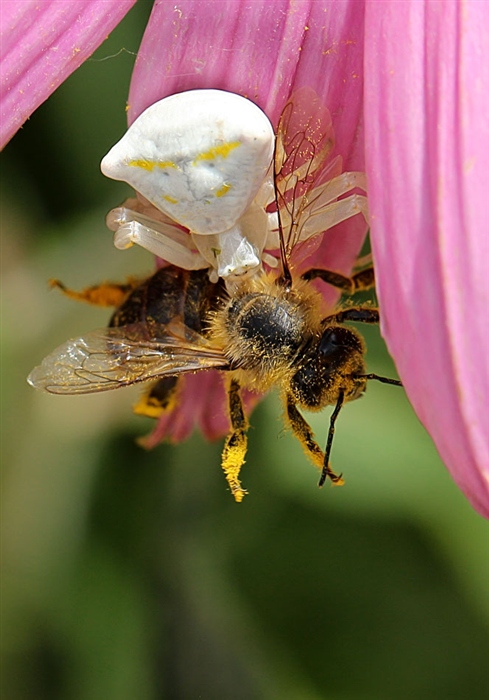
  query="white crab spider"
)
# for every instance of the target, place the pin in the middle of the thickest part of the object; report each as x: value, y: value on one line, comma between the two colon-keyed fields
x: 202, y: 159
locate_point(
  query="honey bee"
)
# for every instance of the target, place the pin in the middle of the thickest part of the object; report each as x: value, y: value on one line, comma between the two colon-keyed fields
x: 269, y: 331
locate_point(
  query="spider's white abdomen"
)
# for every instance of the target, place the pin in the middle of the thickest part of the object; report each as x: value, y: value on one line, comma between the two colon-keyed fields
x: 199, y: 156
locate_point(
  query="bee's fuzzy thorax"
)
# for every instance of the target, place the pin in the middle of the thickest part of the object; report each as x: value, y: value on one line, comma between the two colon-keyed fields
x: 263, y: 326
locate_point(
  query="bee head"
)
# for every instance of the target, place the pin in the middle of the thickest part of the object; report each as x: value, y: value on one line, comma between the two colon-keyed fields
x: 330, y: 363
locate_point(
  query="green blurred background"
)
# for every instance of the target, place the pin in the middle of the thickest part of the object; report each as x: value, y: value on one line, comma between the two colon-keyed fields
x: 131, y: 575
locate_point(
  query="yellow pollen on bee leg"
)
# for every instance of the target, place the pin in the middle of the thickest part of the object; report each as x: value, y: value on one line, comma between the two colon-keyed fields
x: 100, y: 294
x: 145, y: 407
x: 233, y: 458
x: 221, y: 151
x: 160, y: 399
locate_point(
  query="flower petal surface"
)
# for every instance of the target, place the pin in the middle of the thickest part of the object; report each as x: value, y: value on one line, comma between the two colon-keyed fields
x: 41, y: 43
x: 427, y: 148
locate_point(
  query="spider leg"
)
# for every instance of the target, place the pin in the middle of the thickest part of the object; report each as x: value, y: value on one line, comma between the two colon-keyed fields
x: 162, y: 238
x: 325, y: 217
x: 343, y: 183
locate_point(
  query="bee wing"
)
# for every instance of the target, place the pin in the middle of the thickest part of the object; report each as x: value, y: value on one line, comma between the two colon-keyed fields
x: 304, y: 141
x: 115, y: 357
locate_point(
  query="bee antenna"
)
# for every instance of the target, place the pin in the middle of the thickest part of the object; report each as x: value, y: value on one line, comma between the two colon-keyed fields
x: 327, y: 471
x: 384, y: 380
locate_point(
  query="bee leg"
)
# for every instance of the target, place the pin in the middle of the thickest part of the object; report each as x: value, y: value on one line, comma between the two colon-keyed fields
x: 359, y: 282
x: 357, y: 314
x: 234, y: 452
x: 364, y: 280
x: 106, y: 294
x: 302, y: 431
x: 159, y: 399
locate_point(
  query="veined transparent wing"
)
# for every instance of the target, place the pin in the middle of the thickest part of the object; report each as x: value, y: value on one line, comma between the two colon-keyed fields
x: 115, y: 357
x: 304, y: 142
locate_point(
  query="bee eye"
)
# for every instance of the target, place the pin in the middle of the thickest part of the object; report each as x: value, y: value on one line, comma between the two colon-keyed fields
x: 330, y: 341
x: 337, y: 340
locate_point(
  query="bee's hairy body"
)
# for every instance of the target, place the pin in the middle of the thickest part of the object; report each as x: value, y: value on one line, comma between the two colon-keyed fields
x: 169, y: 294
x: 262, y: 328
x: 266, y: 334
x: 273, y: 336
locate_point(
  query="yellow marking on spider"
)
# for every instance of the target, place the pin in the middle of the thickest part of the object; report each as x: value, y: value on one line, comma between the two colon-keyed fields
x: 223, y: 190
x: 221, y: 151
x: 150, y: 165
x: 169, y: 199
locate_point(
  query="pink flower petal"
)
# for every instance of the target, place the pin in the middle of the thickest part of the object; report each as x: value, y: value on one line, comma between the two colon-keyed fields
x: 265, y: 51
x: 427, y: 87
x: 42, y: 42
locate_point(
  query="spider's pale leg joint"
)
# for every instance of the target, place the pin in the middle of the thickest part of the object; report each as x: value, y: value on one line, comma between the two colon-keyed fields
x: 162, y: 239
x: 344, y: 183
x: 325, y: 217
